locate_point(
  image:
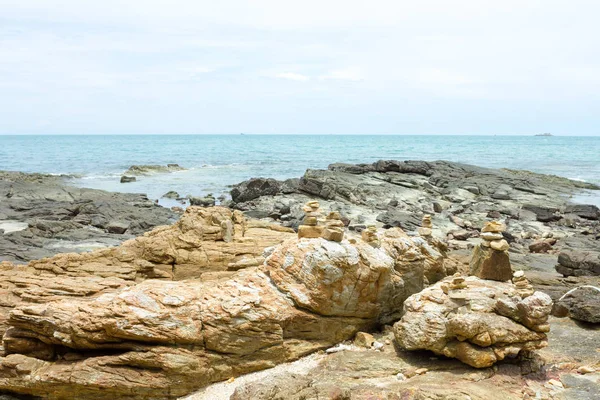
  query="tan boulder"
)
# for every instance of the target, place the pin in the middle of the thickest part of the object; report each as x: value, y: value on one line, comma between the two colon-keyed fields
x: 488, y: 322
x: 203, y: 242
x: 164, y: 339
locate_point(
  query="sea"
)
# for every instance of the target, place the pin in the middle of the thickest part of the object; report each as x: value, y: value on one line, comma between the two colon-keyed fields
x: 215, y: 162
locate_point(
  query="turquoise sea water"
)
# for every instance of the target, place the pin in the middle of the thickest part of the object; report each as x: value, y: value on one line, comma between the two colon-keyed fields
x: 216, y: 161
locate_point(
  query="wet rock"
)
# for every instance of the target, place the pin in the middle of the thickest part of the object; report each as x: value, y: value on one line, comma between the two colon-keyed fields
x: 127, y: 179
x: 171, y: 195
x: 152, y: 169
x: 207, y: 201
x: 61, y: 218
x: 254, y: 188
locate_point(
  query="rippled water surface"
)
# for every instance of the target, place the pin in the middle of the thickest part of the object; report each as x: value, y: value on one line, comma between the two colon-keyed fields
x: 216, y: 161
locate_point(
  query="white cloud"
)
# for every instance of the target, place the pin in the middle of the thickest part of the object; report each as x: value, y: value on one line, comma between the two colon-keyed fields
x: 185, y: 60
x: 292, y: 76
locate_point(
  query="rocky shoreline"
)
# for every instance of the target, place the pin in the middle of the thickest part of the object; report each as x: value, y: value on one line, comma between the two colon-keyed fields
x: 541, y: 221
x: 53, y: 217
x: 223, y: 291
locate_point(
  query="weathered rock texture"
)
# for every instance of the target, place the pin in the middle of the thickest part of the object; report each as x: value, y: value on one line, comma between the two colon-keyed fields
x: 202, y: 244
x: 487, y: 263
x: 58, y: 218
x: 162, y: 339
x: 579, y: 263
x: 479, y: 325
x: 582, y: 303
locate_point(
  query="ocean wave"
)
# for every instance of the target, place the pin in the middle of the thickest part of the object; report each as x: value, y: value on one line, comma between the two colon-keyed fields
x: 577, y: 179
x: 100, y: 177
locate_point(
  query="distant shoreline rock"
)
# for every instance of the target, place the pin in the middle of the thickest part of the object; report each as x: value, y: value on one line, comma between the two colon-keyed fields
x: 153, y: 169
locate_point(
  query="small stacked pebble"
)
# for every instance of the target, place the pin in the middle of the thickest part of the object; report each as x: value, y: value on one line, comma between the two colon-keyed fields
x: 369, y: 235
x: 523, y: 286
x: 426, y: 226
x: 334, y: 227
x: 457, y: 283
x: 492, y: 236
x: 310, y: 228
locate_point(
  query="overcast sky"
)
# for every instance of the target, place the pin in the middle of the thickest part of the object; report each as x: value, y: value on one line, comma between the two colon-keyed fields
x: 310, y: 66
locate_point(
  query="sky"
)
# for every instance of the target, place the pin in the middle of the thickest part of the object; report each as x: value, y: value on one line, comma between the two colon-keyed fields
x: 311, y: 66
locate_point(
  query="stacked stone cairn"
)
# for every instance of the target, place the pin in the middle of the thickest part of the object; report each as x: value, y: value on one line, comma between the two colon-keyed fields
x: 426, y: 227
x: 369, y: 235
x: 310, y: 227
x: 490, y: 258
x: 334, y: 227
x: 523, y: 286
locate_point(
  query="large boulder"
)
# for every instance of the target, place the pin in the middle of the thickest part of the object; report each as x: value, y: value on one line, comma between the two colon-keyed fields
x: 582, y: 303
x: 205, y: 242
x: 578, y: 263
x: 480, y: 324
x: 164, y: 339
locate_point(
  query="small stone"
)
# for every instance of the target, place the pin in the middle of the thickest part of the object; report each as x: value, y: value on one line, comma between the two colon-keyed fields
x: 494, y: 227
x: 369, y: 235
x: 334, y: 228
x: 421, y: 371
x: 489, y: 236
x: 540, y: 247
x: 363, y: 339
x: 312, y: 221
x: 499, y: 245
x: 400, y: 376
x: 426, y: 221
x: 584, y: 369
x: 310, y: 231
x: 424, y: 231
x: 519, y: 274
x: 332, y: 235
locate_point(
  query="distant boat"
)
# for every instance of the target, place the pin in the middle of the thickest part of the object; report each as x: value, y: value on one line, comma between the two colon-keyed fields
x: 544, y: 134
